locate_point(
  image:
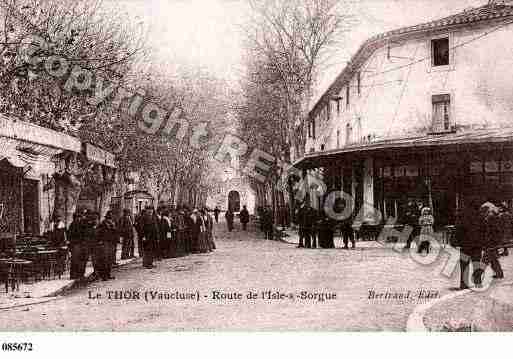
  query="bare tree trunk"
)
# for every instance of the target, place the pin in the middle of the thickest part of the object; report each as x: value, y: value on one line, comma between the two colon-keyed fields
x: 105, y: 201
x: 67, y: 191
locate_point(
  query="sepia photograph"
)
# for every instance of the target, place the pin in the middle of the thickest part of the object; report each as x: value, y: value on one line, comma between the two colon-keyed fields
x: 235, y: 166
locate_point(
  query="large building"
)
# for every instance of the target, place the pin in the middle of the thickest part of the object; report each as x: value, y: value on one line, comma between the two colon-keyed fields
x: 421, y: 113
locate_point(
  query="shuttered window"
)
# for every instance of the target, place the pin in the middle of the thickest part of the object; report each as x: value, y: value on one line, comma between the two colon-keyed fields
x: 441, y: 113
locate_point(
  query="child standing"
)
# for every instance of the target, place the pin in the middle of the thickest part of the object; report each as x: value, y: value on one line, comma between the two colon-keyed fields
x: 426, y: 222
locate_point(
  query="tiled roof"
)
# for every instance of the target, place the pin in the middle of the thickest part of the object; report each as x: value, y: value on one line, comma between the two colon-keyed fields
x: 495, y: 135
x: 487, y: 12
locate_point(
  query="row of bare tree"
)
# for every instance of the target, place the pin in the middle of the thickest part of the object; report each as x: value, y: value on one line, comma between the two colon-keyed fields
x: 288, y: 45
x: 102, y: 39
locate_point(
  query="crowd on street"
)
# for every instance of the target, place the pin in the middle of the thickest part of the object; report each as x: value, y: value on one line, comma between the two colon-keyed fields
x: 159, y: 234
x: 483, y: 232
x: 317, y: 229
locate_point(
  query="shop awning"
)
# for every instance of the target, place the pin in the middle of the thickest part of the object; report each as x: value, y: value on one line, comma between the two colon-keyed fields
x: 138, y: 194
x: 99, y: 155
x: 24, y: 154
x: 14, y: 162
x: 37, y: 135
x: 466, y: 137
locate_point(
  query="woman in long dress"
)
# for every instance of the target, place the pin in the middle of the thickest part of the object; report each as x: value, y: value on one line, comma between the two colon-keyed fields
x: 165, y: 235
x: 210, y: 231
x: 150, y: 231
x: 207, y: 237
x: 197, y: 227
x: 75, y: 237
x: 180, y: 232
x: 173, y: 245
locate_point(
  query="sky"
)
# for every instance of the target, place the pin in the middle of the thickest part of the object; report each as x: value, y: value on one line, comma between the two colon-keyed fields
x: 206, y: 33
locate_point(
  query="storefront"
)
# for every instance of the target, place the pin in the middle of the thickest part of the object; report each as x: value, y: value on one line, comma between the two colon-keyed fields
x: 11, y: 182
x: 29, y: 156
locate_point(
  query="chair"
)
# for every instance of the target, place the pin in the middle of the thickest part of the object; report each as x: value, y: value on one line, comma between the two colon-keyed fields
x: 4, y: 273
x: 32, y: 255
x: 8, y: 243
x: 18, y: 271
x: 61, y: 264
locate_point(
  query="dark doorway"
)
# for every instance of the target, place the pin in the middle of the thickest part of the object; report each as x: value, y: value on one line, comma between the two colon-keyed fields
x: 234, y: 201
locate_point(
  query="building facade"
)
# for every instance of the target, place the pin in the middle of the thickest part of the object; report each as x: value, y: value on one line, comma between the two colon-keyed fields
x: 233, y: 191
x: 422, y: 114
x: 30, y: 158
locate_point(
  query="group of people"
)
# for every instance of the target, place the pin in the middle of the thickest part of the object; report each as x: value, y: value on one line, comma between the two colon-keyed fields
x: 230, y: 217
x: 481, y: 230
x: 161, y: 234
x: 317, y: 229
x: 420, y: 219
x: 170, y: 233
x: 481, y: 233
x: 90, y: 238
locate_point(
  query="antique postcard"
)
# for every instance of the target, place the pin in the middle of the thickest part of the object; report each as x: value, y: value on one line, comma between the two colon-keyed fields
x: 255, y: 165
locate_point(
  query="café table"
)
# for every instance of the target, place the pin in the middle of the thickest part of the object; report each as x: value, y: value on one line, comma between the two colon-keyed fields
x: 45, y: 262
x: 14, y: 271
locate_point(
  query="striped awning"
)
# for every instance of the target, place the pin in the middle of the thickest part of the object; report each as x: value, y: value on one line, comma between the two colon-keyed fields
x: 33, y: 157
x: 32, y: 147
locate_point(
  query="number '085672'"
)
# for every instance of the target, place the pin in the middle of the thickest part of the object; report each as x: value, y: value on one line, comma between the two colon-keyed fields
x: 17, y: 347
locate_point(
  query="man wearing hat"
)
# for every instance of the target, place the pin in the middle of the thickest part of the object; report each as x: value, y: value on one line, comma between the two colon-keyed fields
x: 106, y: 243
x: 490, y: 220
x: 126, y: 232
